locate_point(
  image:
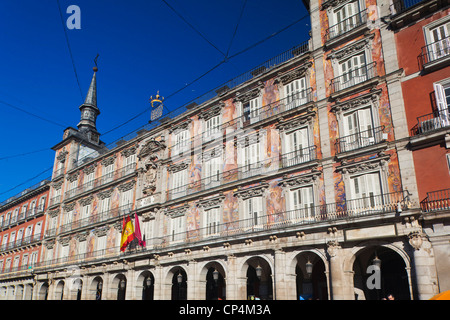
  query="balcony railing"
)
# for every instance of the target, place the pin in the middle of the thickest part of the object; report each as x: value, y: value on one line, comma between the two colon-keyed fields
x: 114, y: 175
x: 360, y: 139
x: 266, y: 166
x: 433, y: 121
x: 25, y: 241
x: 265, y: 112
x: 23, y: 216
x: 400, y: 6
x: 353, y: 77
x: 436, y: 201
x: 436, y: 50
x: 346, y: 25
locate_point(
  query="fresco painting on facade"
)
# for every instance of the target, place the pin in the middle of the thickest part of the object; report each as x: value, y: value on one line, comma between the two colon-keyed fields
x: 275, y: 201
x: 339, y: 188
x: 230, y: 209
x: 384, y: 111
x: 333, y: 129
x: 394, y: 179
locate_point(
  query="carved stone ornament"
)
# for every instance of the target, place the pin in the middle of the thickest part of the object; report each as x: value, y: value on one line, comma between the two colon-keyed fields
x: 294, y: 74
x: 362, y: 100
x: 58, y: 184
x: 300, y: 180
x: 53, y: 213
x: 184, y: 125
x: 65, y: 241
x: 105, y: 194
x: 90, y: 169
x: 208, y: 155
x: 250, y: 94
x: 333, y: 247
x: 415, y: 240
x: 150, y: 147
x: 126, y: 186
x: 86, y: 201
x: 49, y: 244
x: 176, y: 212
x: 255, y: 191
x: 102, y: 231
x: 82, y: 236
x: 73, y: 177
x: 292, y: 123
x: 332, y: 3
x: 61, y: 157
x: 352, y: 49
x: 248, y: 139
x: 108, y: 161
x: 366, y: 165
x: 211, y: 202
x: 211, y: 112
x: 130, y: 151
x: 69, y: 206
x: 178, y: 167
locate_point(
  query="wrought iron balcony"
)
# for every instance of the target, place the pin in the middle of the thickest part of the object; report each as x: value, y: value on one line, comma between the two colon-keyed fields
x: 346, y: 25
x: 353, y: 77
x: 360, y: 140
x: 436, y: 201
x: 433, y: 121
x: 435, y: 51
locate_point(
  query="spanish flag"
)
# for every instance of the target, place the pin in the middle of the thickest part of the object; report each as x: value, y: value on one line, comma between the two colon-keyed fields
x: 127, y: 233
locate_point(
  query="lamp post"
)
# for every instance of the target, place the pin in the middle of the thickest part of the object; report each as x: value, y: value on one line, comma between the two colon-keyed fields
x: 309, y: 268
x: 259, y: 271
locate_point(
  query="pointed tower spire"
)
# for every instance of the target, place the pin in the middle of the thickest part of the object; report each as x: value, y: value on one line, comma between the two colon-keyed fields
x: 90, y: 111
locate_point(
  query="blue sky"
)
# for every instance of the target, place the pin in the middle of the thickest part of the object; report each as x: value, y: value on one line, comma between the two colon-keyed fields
x: 143, y: 46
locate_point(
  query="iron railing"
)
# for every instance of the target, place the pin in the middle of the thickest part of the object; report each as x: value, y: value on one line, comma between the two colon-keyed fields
x: 266, y: 166
x: 346, y: 25
x: 354, y: 77
x: 360, y: 139
x: 436, y: 50
x: 17, y: 243
x: 433, y: 121
x: 436, y: 201
x: 22, y: 216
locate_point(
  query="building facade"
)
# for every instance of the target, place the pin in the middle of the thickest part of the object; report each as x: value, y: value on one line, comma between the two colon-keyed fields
x: 293, y: 180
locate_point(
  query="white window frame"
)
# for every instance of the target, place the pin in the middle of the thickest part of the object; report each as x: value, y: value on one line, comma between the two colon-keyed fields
x: 179, y: 183
x: 211, y: 221
x: 295, y: 93
x: 365, y: 191
x: 297, y: 145
x: 343, y: 12
x: 442, y: 45
x: 253, y: 209
x: 212, y: 172
x: 251, y: 110
x: 108, y: 173
x: 181, y: 142
x: 177, y: 228
x: 213, y: 128
x: 89, y: 180
x: 126, y: 199
x: 130, y: 163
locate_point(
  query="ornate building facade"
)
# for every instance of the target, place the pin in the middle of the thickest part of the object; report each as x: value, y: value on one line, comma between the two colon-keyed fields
x: 293, y: 180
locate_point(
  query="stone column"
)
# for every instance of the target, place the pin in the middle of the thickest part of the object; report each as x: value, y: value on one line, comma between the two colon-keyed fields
x: 424, y: 268
x: 231, y: 289
x: 192, y: 280
x: 158, y: 285
x: 279, y: 280
x: 337, y: 277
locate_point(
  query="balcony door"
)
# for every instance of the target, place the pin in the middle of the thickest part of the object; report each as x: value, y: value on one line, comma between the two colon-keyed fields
x: 297, y: 147
x: 358, y: 130
x: 346, y: 18
x: 295, y: 92
x: 353, y: 71
x: 301, y: 204
x: 365, y: 192
x: 440, y: 41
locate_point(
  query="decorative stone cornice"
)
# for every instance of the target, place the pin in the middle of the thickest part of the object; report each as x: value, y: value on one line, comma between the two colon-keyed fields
x: 65, y: 241
x: 248, y: 139
x: 61, y: 157
x: 369, y: 98
x: 90, y: 169
x: 105, y: 194
x: 82, y: 236
x: 58, y: 184
x: 178, y: 167
x: 151, y: 146
x: 69, y: 206
x: 126, y: 186
x: 102, y: 231
x: 415, y: 239
x: 303, y: 179
x: 362, y: 166
x: 180, y: 126
x: 250, y: 94
x: 53, y: 213
x: 49, y: 244
x: 208, y: 155
x: 176, y: 212
x: 255, y: 191
x: 86, y: 201
x: 211, y: 202
x: 211, y: 112
x: 351, y: 49
x: 294, y: 74
x: 331, y: 4
x: 108, y: 161
x: 130, y: 151
x: 73, y: 176
x: 288, y: 124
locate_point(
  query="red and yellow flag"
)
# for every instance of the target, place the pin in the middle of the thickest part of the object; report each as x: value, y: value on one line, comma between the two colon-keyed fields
x: 127, y: 233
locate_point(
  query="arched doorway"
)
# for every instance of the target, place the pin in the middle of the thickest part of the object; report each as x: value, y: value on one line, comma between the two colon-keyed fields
x: 75, y: 290
x: 59, y: 291
x: 120, y: 281
x: 43, y: 291
x: 215, y: 284
x: 179, y: 285
x: 146, y: 289
x: 372, y: 283
x: 311, y: 281
x: 259, y: 280
x: 96, y: 289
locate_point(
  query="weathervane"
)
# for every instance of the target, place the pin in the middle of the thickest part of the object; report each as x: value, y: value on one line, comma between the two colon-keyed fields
x: 157, y: 106
x: 95, y: 61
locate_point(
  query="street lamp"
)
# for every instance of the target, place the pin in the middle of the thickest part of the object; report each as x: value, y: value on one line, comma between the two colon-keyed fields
x: 259, y: 271
x: 179, y: 277
x: 215, y: 275
x: 148, y: 282
x: 376, y: 261
x: 309, y: 268
x: 122, y: 284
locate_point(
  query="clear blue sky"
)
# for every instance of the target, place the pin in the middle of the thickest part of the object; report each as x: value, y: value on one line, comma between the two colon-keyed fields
x: 143, y: 46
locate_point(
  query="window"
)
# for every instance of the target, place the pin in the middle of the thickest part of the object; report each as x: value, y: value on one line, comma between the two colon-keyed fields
x: 1, y: 221
x: 33, y: 208
x: 295, y: 93
x: 251, y: 159
x: 108, y: 173
x: 301, y: 202
x: 25, y: 260
x: 101, y: 243
x: 211, y: 221
x: 23, y: 212
x: 28, y: 232
x: 181, y: 142
x: 64, y: 252
x: 177, y: 228
x: 41, y: 204
x: 253, y: 211
x: 126, y: 199
x: 89, y: 180
x: 346, y: 18
x: 251, y: 110
x: 297, y: 147
x: 365, y: 191
x: 68, y: 221
x: 33, y: 258
x: 442, y: 93
x: 353, y: 70
x: 12, y: 239
x: 179, y: 182
x: 358, y: 130
x: 439, y: 41
x: 14, y: 215
x: 105, y: 205
x: 19, y: 237
x: 37, y: 230
x: 212, y: 128
x: 73, y: 188
x: 130, y: 163
x: 5, y: 242
x: 212, y: 172
x: 85, y: 211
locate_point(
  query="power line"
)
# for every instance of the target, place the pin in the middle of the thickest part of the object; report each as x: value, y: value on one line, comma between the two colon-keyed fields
x: 70, y: 50
x: 21, y: 184
x: 23, y: 154
x: 235, y: 29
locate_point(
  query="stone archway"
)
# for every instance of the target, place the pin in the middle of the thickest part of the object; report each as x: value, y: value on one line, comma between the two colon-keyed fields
x: 258, y: 272
x: 175, y: 284
x: 145, y: 286
x: 95, y: 290
x: 43, y: 291
x: 213, y: 274
x: 119, y: 287
x: 59, y: 290
x: 393, y: 277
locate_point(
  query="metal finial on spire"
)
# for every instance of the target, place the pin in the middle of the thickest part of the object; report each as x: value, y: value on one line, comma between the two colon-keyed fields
x: 95, y: 61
